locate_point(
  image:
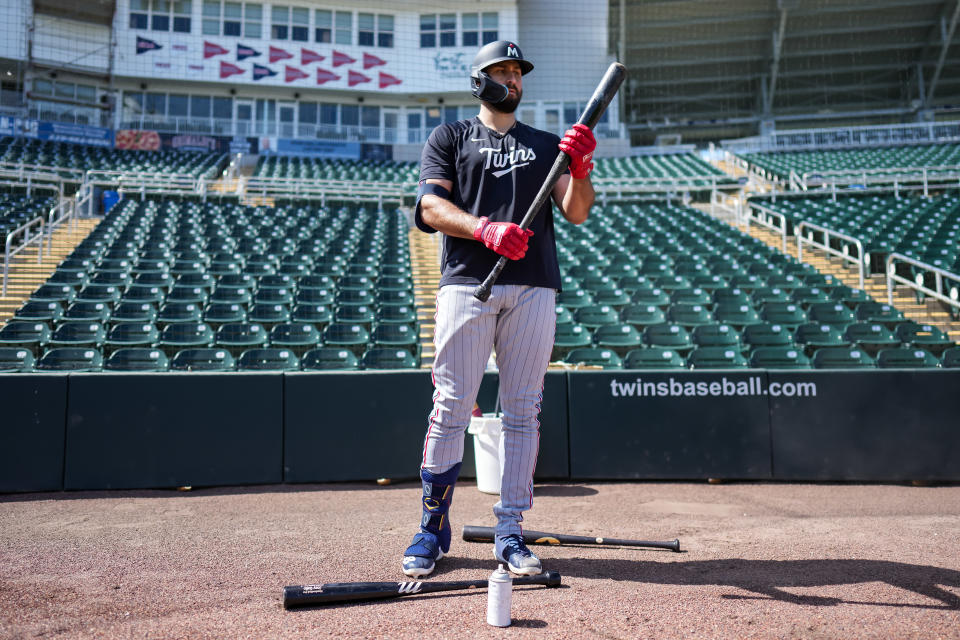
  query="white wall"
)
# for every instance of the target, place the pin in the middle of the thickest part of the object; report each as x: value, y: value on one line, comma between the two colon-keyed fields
x: 14, y: 15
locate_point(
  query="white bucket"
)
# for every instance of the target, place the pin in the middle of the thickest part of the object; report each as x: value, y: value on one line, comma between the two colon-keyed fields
x: 486, y: 449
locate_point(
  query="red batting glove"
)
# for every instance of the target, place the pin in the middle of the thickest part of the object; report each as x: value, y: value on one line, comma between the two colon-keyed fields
x: 579, y: 144
x: 506, y: 238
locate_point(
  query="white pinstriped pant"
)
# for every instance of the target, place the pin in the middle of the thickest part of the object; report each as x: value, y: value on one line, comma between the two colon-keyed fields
x: 518, y: 322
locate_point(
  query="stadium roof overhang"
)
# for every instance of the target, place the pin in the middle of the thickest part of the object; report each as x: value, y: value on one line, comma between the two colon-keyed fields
x: 95, y: 11
x: 733, y: 65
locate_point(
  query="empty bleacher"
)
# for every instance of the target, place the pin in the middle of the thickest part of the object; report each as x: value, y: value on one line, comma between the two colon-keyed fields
x: 221, y: 286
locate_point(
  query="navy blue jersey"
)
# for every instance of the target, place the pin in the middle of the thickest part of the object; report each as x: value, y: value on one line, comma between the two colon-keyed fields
x: 497, y: 176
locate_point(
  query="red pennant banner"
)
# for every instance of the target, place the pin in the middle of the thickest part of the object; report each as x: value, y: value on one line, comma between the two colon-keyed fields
x: 227, y: 69
x: 355, y: 77
x: 210, y: 49
x: 372, y: 61
x: 341, y: 58
x: 307, y: 56
x: 324, y: 76
x: 277, y: 54
x: 292, y: 73
x: 387, y: 80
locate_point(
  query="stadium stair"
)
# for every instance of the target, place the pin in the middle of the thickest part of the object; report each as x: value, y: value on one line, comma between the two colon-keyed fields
x: 26, y: 275
x: 425, y: 263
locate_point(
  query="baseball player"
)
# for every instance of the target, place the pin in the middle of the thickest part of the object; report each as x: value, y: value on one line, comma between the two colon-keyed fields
x: 478, y: 177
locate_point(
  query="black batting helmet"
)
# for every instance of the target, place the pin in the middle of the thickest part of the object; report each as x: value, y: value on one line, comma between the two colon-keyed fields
x: 482, y: 85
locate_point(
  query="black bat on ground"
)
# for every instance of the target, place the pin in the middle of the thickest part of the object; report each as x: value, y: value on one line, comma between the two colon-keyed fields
x: 602, y: 96
x: 473, y: 533
x: 333, y: 592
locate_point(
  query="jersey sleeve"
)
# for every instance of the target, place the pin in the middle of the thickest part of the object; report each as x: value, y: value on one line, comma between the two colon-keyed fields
x: 437, y: 160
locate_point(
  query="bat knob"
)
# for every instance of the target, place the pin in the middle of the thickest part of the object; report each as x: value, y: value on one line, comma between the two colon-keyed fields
x: 552, y: 578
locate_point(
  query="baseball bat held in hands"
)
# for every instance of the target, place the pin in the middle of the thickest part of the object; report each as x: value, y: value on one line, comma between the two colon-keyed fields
x: 602, y: 96
x: 473, y: 533
x: 333, y: 592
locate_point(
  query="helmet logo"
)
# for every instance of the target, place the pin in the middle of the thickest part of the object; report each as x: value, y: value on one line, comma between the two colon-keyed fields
x: 512, y: 51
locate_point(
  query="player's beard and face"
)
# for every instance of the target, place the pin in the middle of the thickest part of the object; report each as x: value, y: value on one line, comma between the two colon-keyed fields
x: 508, y: 74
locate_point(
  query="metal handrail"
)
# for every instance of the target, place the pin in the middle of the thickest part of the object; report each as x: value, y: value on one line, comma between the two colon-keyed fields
x: 9, y: 253
x: 939, y: 276
x: 20, y: 167
x: 781, y: 230
x: 827, y: 234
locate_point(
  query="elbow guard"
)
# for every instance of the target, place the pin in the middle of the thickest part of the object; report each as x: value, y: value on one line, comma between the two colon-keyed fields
x: 425, y: 188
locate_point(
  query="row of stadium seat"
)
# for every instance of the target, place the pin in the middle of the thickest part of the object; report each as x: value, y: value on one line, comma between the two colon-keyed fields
x: 336, y: 169
x: 668, y: 166
x: 781, y: 163
x: 807, y: 337
x: 762, y: 358
x: 78, y: 156
x: 16, y: 209
x: 209, y: 359
x: 233, y: 336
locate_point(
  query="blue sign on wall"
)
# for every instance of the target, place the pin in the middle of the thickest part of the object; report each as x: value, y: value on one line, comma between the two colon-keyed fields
x: 75, y: 133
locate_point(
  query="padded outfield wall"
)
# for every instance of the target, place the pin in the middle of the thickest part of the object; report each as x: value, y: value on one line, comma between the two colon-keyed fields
x: 124, y: 431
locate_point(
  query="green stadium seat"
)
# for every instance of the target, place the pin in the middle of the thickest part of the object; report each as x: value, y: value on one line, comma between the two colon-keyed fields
x: 563, y: 315
x: 185, y: 335
x: 317, y: 314
x: 237, y: 337
x: 388, y: 358
x: 653, y: 358
x: 767, y: 334
x: 203, y: 359
x: 154, y: 295
x: 596, y: 315
x: 643, y: 315
x: 574, y: 299
x: 74, y: 359
x: 648, y: 296
x: 268, y: 359
x: 398, y: 314
x: 87, y: 312
x: 924, y: 336
x: 78, y: 334
x: 569, y: 336
x: 39, y: 312
x: 689, y: 315
x: 717, y: 358
x: 393, y: 336
x: 849, y: 296
x: 106, y: 293
x: 62, y: 293
x: 137, y: 359
x: 842, y: 358
x: 355, y: 297
x: 807, y: 296
x: 621, y: 338
x: 193, y: 295
x: 268, y: 314
x: 126, y: 311
x: 879, y: 312
x: 779, y: 358
x: 237, y: 281
x: 179, y: 313
x: 716, y: 335
x: 906, y: 358
x: 131, y: 334
x: 951, y: 358
x: 694, y: 295
x: 732, y: 295
x: 231, y: 295
x: 219, y: 313
x: 871, y: 337
x: 15, y: 359
x: 832, y: 313
x: 764, y: 295
x: 22, y: 334
x: 395, y: 297
x: 787, y: 314
x: 329, y: 358
x: 736, y: 315
x: 669, y: 336
x: 351, y: 336
x: 298, y: 337
x: 813, y: 336
x: 594, y: 357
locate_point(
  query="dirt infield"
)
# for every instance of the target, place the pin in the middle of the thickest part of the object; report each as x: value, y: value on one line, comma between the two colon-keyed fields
x: 758, y: 561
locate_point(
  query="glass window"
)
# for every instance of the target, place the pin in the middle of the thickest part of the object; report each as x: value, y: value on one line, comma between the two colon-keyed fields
x: 199, y: 106
x: 328, y: 113
x: 308, y: 112
x: 300, y: 29
x: 280, y: 27
x: 365, y: 28
x: 323, y: 19
x: 181, y: 16
x: 570, y: 112
x: 232, y: 15
x: 252, y: 19
x: 86, y: 93
x: 156, y: 103
x: 433, y: 117
x: 448, y: 30
x: 370, y: 116
x: 177, y: 104
x: 490, y: 27
x: 64, y: 89
x: 384, y: 31
x: 344, y: 21
x: 428, y: 30
x: 223, y: 108
x: 470, y: 29
x: 138, y: 20
x: 350, y: 114
x: 211, y: 18
x: 42, y: 87
x: 160, y: 22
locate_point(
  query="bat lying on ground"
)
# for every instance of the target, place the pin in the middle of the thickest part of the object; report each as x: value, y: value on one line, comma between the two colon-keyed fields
x: 319, y: 594
x: 473, y: 533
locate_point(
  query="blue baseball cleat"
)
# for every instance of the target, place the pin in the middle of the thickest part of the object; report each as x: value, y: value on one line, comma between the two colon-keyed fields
x: 512, y: 551
x: 420, y: 557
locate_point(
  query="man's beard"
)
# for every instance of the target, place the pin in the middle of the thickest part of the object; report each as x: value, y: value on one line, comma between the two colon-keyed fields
x: 508, y: 104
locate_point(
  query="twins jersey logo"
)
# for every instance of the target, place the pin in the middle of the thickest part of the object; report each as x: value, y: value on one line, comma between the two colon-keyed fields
x: 504, y: 162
